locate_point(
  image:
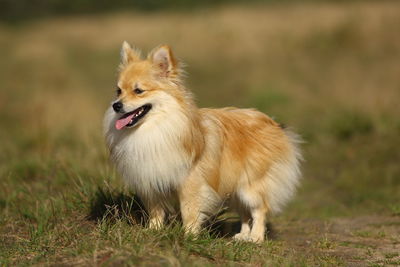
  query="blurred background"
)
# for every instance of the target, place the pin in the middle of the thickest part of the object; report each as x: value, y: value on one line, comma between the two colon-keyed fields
x: 328, y: 69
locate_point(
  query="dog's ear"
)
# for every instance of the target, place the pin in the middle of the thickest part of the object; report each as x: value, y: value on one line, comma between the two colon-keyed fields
x: 129, y: 54
x: 164, y: 61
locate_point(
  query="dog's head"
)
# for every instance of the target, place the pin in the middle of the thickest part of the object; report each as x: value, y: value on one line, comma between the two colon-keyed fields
x: 147, y: 89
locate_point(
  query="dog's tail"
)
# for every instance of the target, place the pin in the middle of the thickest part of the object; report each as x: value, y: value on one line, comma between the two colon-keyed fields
x: 284, y: 175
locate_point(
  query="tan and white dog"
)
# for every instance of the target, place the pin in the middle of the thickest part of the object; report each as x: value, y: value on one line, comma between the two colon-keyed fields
x: 164, y: 146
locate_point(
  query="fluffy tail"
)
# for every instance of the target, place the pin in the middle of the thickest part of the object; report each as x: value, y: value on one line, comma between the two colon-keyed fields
x: 284, y: 175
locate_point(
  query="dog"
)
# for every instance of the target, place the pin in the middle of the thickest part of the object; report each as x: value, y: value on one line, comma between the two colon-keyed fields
x: 166, y: 148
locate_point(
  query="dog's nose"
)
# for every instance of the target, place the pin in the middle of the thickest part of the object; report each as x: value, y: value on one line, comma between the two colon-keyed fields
x: 117, y: 106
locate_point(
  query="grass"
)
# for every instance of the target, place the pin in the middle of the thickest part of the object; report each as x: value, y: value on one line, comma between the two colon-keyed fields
x: 330, y: 72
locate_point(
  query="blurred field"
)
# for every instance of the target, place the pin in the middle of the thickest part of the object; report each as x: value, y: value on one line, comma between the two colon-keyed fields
x: 330, y: 71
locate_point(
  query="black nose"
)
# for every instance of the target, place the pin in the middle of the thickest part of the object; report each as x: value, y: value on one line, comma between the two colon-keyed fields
x: 117, y: 106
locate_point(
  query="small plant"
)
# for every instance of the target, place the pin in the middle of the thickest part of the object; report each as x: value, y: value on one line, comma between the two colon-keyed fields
x: 362, y: 233
x: 395, y: 209
x: 347, y: 124
x: 325, y: 243
x: 391, y: 255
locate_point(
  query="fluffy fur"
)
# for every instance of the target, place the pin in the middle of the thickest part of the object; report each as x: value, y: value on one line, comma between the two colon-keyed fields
x: 204, y: 157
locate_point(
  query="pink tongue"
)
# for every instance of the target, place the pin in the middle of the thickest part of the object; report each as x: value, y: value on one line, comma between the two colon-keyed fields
x: 121, y: 123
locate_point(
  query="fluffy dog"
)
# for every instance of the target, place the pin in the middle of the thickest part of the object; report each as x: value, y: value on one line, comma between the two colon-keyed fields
x: 165, y: 147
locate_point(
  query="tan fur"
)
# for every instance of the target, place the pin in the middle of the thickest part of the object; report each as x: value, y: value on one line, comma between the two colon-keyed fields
x: 206, y: 157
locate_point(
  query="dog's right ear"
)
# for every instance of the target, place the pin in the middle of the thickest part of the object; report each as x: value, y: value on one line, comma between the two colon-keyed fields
x: 129, y: 54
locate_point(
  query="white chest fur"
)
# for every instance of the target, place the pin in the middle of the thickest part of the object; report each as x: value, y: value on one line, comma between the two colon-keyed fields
x: 150, y: 158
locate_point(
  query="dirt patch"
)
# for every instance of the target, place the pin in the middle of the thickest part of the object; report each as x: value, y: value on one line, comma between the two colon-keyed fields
x: 359, y: 241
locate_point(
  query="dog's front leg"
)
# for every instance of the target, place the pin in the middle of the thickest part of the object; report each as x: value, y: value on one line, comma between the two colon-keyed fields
x: 192, y: 218
x: 156, y: 214
x: 190, y: 205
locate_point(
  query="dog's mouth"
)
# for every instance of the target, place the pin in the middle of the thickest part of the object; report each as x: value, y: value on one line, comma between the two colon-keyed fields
x: 129, y: 119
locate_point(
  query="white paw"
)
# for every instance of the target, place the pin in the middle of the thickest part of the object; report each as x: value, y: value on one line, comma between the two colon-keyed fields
x: 155, y: 225
x: 242, y: 237
x: 248, y: 238
x: 256, y: 239
x: 191, y: 231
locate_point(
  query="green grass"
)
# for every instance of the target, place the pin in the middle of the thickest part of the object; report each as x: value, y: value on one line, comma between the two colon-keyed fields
x: 332, y: 76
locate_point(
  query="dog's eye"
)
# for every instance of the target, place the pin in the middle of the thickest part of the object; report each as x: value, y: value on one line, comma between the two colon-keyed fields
x: 138, y: 91
x: 119, y: 91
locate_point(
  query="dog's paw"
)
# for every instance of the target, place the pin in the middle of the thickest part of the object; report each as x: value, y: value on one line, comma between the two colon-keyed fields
x: 242, y: 237
x: 256, y: 239
x: 155, y: 225
x: 248, y: 238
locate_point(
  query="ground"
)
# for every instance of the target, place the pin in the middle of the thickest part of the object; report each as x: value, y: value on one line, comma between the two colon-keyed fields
x: 364, y: 240
x: 330, y: 71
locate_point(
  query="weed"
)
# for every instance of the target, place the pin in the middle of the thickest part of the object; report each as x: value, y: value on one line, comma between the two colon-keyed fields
x: 391, y: 255
x: 347, y: 124
x: 395, y: 209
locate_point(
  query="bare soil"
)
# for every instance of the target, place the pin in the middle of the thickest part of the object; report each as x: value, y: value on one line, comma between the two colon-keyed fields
x: 359, y: 241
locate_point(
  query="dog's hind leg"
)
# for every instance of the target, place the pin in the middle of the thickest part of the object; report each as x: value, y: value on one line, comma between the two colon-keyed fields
x: 245, y: 219
x: 257, y: 233
x: 254, y: 204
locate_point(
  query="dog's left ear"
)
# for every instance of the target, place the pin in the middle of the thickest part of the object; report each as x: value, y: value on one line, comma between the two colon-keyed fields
x: 129, y: 54
x: 164, y: 61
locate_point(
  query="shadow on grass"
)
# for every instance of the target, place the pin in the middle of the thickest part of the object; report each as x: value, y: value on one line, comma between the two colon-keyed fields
x: 227, y: 228
x: 113, y: 206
